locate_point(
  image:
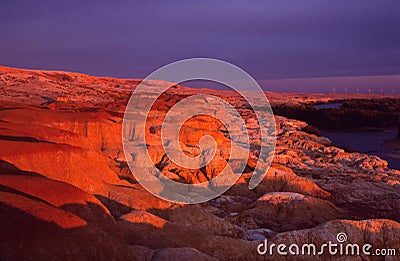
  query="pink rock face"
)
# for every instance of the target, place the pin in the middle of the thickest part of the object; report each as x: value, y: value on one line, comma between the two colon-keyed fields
x: 282, y: 211
x: 66, y: 191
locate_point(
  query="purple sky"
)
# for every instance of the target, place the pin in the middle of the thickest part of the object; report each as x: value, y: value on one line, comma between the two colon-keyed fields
x: 272, y: 39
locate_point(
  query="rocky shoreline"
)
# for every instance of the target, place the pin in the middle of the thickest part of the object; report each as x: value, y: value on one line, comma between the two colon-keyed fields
x: 66, y: 190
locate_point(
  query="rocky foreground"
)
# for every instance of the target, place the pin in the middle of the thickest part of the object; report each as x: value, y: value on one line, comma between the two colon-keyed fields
x: 66, y: 191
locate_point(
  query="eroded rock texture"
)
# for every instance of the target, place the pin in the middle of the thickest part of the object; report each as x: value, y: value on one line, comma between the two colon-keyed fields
x: 66, y: 191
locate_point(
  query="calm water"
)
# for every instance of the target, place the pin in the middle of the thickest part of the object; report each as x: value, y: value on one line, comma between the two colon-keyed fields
x: 335, y: 105
x: 367, y: 141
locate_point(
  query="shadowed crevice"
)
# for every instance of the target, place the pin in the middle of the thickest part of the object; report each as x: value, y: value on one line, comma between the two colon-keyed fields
x: 23, y: 139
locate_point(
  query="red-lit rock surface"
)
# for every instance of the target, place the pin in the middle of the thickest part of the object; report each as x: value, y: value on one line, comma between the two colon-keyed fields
x: 66, y: 191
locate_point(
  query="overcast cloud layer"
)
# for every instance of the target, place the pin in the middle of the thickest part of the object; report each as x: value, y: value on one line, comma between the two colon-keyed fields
x: 269, y: 39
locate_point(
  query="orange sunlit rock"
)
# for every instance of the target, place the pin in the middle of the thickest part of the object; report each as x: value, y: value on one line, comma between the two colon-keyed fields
x: 66, y: 191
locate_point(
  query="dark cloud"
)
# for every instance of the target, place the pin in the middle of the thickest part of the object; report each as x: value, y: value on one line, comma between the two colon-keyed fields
x: 269, y: 39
